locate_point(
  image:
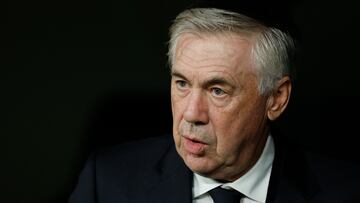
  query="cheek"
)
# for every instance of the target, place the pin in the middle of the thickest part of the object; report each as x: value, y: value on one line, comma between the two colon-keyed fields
x: 178, y: 105
x: 177, y: 112
x: 227, y: 133
x: 176, y: 121
x: 239, y: 126
x: 224, y: 119
x: 227, y: 125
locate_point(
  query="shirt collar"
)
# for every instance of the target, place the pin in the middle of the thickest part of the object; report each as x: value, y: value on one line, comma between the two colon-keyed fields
x: 253, y: 184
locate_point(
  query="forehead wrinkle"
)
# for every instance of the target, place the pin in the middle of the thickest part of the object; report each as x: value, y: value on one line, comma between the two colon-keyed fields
x: 202, y: 58
x: 189, y: 58
x: 230, y: 54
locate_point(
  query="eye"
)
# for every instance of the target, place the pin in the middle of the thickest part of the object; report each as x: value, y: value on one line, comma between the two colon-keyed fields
x: 217, y: 92
x: 181, y: 84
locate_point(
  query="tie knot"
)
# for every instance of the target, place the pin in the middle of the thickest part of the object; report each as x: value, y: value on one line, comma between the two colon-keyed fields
x: 221, y: 195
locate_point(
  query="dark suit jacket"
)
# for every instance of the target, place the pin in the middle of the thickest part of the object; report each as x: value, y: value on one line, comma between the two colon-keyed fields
x: 152, y: 171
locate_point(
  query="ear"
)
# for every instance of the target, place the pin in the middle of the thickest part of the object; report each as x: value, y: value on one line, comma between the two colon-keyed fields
x: 279, y: 98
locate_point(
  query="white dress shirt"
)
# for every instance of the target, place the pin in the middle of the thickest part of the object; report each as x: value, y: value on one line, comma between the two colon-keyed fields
x: 253, y: 184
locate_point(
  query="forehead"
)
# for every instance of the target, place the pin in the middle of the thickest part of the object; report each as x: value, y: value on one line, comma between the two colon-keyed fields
x: 227, y: 52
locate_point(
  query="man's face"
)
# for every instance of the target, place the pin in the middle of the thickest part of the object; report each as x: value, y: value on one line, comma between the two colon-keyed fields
x: 219, y: 118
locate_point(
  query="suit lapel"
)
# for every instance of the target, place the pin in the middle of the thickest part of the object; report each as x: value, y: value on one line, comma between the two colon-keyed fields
x: 175, y: 183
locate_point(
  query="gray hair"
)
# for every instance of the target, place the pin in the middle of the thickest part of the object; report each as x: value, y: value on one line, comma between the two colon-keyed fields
x: 271, y: 50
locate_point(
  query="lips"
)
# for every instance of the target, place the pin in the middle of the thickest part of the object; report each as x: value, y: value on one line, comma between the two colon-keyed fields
x: 194, y: 146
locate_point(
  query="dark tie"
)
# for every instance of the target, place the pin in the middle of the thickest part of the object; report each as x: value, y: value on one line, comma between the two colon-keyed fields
x: 221, y: 195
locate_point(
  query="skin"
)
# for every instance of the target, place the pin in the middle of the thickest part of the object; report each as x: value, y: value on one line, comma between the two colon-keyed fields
x: 220, y: 121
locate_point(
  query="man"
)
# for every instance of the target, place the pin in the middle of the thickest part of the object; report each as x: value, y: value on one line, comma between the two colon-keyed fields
x: 230, y: 78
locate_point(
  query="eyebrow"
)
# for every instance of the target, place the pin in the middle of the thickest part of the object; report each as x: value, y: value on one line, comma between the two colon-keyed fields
x: 177, y: 74
x: 217, y: 80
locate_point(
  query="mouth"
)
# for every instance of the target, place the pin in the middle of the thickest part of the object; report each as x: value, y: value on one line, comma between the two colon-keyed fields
x: 194, y: 146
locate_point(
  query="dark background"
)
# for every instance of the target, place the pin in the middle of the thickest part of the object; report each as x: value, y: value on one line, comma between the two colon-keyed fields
x: 76, y: 75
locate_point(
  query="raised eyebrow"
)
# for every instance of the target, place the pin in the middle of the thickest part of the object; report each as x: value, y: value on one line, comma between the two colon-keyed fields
x: 218, y: 81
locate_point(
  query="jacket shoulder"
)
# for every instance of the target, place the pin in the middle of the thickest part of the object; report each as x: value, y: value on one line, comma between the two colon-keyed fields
x: 304, y: 175
x: 136, y: 160
x: 112, y: 174
x: 334, y: 174
x: 135, y: 152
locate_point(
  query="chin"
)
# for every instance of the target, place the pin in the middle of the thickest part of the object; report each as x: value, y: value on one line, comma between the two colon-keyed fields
x: 201, y: 165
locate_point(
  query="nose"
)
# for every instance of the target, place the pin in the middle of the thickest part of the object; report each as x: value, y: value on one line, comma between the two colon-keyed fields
x: 197, y: 109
